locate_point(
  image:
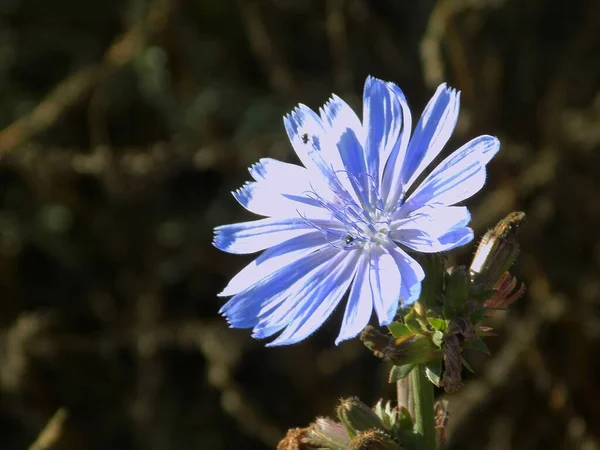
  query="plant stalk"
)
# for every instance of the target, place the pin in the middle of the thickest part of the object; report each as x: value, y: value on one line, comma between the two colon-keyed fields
x: 422, y: 390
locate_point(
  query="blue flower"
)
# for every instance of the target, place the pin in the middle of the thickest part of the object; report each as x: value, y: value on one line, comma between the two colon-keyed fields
x: 348, y: 219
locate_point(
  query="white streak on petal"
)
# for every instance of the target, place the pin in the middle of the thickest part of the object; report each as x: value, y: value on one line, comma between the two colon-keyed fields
x: 326, y: 293
x: 250, y: 237
x: 360, y: 304
x: 272, y: 260
x: 384, y: 283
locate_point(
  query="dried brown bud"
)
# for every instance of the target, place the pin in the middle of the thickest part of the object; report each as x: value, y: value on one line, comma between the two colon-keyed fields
x: 293, y: 440
x: 452, y: 379
x: 441, y: 420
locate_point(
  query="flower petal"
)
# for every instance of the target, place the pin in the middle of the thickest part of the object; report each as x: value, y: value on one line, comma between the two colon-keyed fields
x: 281, y: 173
x: 411, y: 272
x: 384, y: 285
x: 387, y: 121
x: 397, y: 139
x: 360, y: 304
x: 431, y: 134
x: 355, y: 172
x: 272, y: 260
x: 433, y: 229
x: 321, y: 298
x: 275, y: 316
x: 456, y: 178
x: 337, y: 117
x: 243, y: 309
x: 250, y: 237
x: 266, y: 199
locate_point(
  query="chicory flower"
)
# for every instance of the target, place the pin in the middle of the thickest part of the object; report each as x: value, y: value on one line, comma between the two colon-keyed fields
x: 348, y: 220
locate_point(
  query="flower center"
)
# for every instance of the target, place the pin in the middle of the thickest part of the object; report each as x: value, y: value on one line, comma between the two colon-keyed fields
x: 354, y: 225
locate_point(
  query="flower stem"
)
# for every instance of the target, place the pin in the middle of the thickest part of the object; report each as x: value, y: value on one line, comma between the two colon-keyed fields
x: 423, y: 406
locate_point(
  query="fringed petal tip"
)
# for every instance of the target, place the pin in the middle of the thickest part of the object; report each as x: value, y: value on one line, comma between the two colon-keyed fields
x: 222, y: 241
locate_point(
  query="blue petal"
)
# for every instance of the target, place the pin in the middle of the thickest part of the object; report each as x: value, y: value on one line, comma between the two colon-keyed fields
x: 250, y: 237
x: 278, y: 172
x: 346, y: 137
x: 458, y: 177
x: 273, y: 200
x: 396, y: 144
x: 312, y: 145
x: 456, y: 238
x: 433, y: 229
x: 321, y: 299
x: 353, y: 158
x: 314, y: 287
x: 431, y: 134
x: 360, y: 304
x: 412, y: 275
x: 337, y: 117
x: 243, y: 309
x: 272, y: 260
x: 384, y: 285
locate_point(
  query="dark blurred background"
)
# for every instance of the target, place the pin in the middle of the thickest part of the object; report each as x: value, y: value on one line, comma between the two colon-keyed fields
x: 124, y: 125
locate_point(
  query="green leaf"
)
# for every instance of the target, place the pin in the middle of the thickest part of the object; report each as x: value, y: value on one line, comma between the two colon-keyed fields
x: 437, y: 338
x: 412, y: 323
x: 466, y: 364
x: 437, y: 323
x: 482, y: 296
x: 400, y: 372
x: 405, y: 422
x: 478, y: 345
x: 478, y: 315
x: 433, y: 371
x: 458, y: 287
x: 398, y: 329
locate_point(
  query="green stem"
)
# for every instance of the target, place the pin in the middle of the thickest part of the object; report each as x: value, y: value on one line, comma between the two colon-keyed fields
x: 424, y: 413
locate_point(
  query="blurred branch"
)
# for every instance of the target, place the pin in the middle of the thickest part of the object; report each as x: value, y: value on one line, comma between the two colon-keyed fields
x: 145, y: 339
x: 338, y: 43
x: 51, y: 432
x: 77, y: 85
x: 262, y: 45
x: 441, y: 28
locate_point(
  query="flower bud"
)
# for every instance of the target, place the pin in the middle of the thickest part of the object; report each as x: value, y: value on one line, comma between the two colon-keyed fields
x: 374, y: 440
x: 496, y: 252
x: 357, y: 417
x: 458, y: 288
x: 326, y: 433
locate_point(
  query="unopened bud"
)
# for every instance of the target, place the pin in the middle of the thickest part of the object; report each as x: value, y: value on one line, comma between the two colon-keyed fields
x: 326, y: 433
x: 496, y: 252
x: 374, y: 440
x: 458, y: 288
x: 357, y: 417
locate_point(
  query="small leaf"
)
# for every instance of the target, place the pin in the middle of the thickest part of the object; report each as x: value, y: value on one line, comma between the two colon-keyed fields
x: 398, y: 329
x: 433, y: 371
x: 405, y: 422
x: 437, y: 338
x: 466, y: 364
x: 478, y: 345
x: 400, y: 372
x: 437, y: 323
x: 478, y: 315
x: 482, y: 296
